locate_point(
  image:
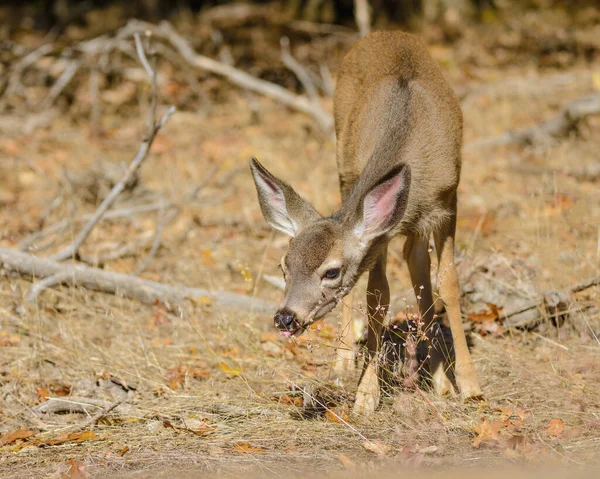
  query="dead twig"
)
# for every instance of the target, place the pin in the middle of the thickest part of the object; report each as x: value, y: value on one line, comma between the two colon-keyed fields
x: 274, y: 281
x: 122, y: 284
x: 91, y: 422
x: 14, y: 82
x: 297, y: 69
x: 61, y: 83
x: 362, y: 16
x: 81, y: 405
x: 46, y: 283
x: 154, y: 127
x: 238, y: 77
x: 156, y: 243
x: 562, y: 124
x: 553, y: 301
x: 28, y: 241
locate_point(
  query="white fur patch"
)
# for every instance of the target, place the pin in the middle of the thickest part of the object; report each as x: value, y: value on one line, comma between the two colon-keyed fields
x: 280, y: 219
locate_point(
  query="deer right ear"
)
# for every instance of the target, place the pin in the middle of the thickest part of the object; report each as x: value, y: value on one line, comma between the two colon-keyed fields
x: 281, y: 206
x: 384, y: 204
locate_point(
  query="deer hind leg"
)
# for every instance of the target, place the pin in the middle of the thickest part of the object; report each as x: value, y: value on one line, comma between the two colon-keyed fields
x: 378, y: 300
x: 449, y: 289
x: 416, y: 254
x: 344, y: 353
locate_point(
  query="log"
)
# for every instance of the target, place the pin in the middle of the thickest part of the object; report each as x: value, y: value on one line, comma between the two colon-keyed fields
x: 120, y: 284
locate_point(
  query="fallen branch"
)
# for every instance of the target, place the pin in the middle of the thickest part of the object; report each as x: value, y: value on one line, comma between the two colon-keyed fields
x: 274, y: 281
x: 81, y: 405
x: 154, y: 127
x: 121, y: 284
x: 297, y: 69
x: 238, y: 77
x: 91, y: 422
x: 562, y: 124
x: 529, y: 86
x: 60, y: 84
x: 28, y: 241
x: 554, y: 302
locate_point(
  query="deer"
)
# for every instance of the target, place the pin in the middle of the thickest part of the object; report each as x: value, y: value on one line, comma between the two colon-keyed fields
x: 398, y: 128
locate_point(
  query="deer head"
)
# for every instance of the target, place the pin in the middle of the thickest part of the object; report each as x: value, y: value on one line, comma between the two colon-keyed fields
x: 327, y: 255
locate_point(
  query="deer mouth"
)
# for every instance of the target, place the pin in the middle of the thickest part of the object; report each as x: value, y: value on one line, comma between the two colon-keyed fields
x: 288, y: 333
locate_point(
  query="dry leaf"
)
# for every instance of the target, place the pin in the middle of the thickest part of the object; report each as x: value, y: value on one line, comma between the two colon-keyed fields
x: 230, y: 371
x: 347, y: 462
x: 488, y: 432
x: 246, y: 448
x: 294, y: 401
x: 339, y: 414
x: 377, y: 447
x: 78, y: 437
x: 508, y: 412
x: 76, y: 470
x: 555, y: 427
x: 7, y: 339
x: 13, y: 436
x: 200, y: 431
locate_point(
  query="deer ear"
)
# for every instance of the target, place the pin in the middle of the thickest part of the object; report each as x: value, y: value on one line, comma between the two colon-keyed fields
x: 384, y: 204
x: 281, y: 206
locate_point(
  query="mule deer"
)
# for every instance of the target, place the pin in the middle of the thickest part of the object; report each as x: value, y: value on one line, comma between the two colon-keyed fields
x: 399, y: 137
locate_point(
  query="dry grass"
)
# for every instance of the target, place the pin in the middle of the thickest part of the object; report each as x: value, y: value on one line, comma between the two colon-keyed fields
x: 79, y: 340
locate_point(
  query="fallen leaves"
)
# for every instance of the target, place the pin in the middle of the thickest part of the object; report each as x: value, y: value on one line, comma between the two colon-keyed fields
x: 246, y: 448
x: 14, y: 436
x: 488, y: 322
x: 555, y: 427
x: 24, y: 434
x: 229, y: 370
x: 7, y: 339
x: 176, y: 376
x: 339, y: 414
x: 77, y: 437
x: 488, y: 433
x: 76, y: 470
x: 202, y: 430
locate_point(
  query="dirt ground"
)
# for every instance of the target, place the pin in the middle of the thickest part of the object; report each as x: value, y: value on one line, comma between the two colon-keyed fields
x: 215, y: 390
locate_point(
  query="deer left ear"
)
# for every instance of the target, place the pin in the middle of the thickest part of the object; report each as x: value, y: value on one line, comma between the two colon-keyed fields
x: 281, y: 206
x: 384, y: 204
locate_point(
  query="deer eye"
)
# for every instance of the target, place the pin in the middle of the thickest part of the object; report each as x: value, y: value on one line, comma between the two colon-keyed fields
x: 332, y: 273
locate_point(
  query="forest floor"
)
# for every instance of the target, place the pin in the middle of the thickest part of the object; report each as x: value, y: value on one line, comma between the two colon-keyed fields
x: 204, y: 389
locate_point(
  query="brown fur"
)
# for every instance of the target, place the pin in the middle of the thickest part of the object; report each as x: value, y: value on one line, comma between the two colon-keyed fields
x: 399, y: 136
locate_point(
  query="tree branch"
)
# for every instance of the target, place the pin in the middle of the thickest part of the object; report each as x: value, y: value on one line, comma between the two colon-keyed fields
x: 121, y: 284
x: 238, y: 77
x: 562, y: 124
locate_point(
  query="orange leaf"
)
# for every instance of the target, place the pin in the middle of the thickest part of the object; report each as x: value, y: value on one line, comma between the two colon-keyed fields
x: 76, y: 470
x: 13, y: 436
x: 555, y: 427
x: 339, y: 414
x: 246, y: 448
x: 227, y: 370
x: 78, y: 437
x: 294, y: 401
x: 488, y: 432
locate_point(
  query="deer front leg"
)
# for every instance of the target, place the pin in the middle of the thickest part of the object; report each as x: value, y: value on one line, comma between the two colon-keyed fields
x: 416, y: 254
x: 378, y: 300
x: 449, y: 288
x: 344, y: 353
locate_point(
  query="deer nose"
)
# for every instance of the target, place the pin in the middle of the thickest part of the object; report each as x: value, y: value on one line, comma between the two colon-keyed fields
x: 285, y: 319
